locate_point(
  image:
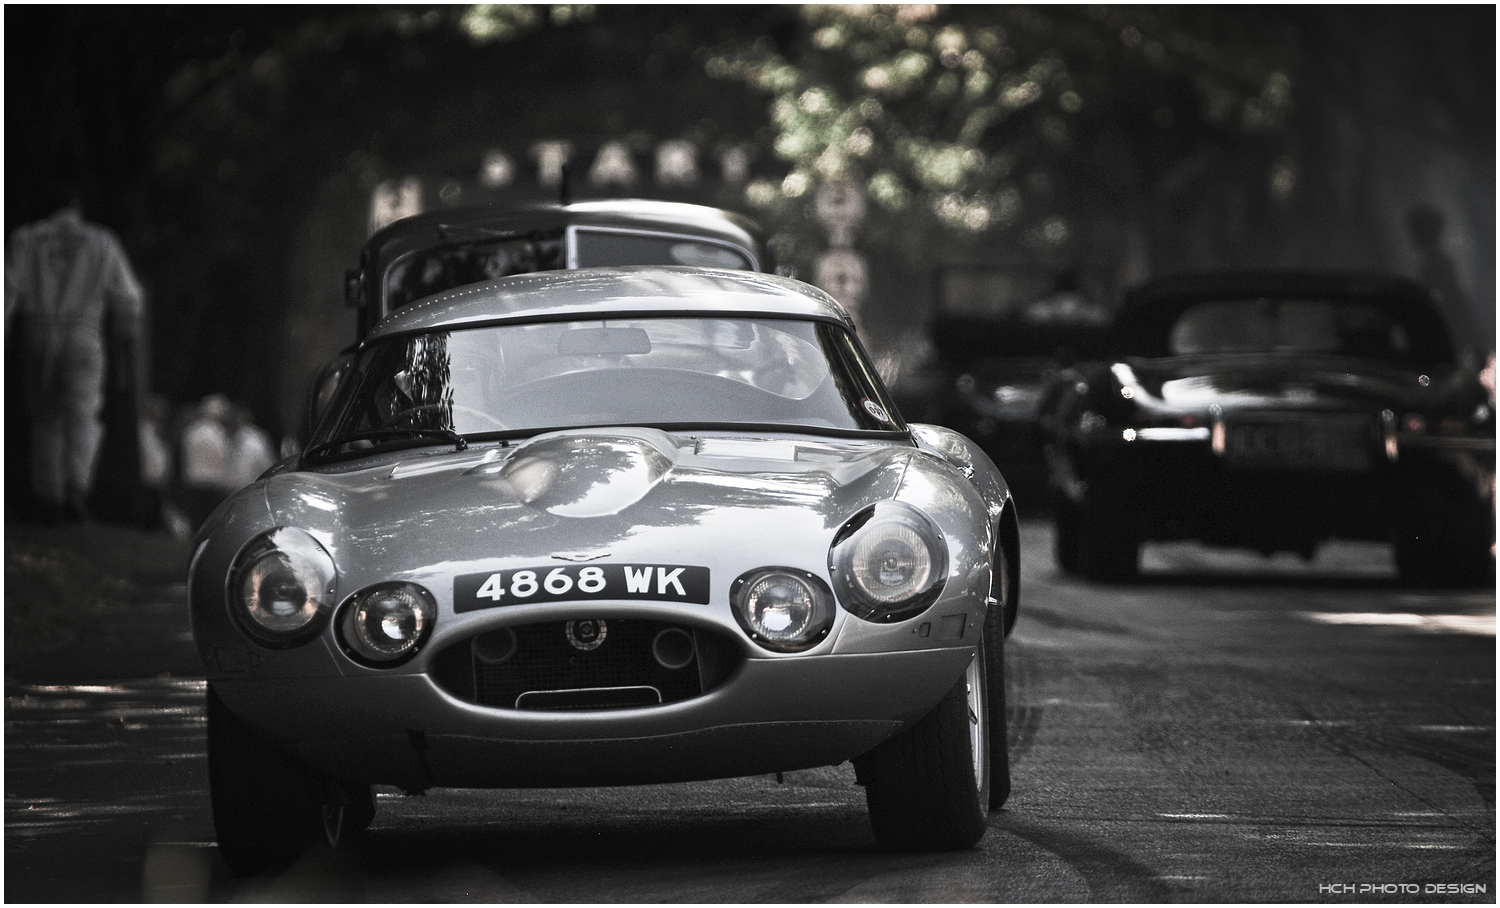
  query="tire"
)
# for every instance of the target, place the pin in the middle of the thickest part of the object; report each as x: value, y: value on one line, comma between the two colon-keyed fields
x: 1065, y: 536
x: 268, y: 807
x: 999, y: 743
x: 1443, y: 559
x: 346, y: 811
x: 1108, y: 547
x: 928, y: 787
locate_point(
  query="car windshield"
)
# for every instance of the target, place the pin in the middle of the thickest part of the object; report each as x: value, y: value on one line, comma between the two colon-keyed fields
x: 1289, y: 326
x: 519, y: 379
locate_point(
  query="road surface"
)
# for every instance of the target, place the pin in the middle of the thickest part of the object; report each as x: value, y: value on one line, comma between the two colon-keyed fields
x: 1230, y: 729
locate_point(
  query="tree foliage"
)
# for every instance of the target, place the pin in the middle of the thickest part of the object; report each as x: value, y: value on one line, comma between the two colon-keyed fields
x: 233, y: 147
x: 971, y: 126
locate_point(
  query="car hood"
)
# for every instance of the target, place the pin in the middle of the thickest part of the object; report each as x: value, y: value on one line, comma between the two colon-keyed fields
x: 1234, y: 382
x: 580, y: 495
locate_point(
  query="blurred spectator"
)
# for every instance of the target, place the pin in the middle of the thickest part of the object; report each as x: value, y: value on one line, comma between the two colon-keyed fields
x: 65, y: 278
x: 159, y: 470
x: 156, y: 451
x: 250, y: 451
x: 1426, y: 224
x: 205, y: 458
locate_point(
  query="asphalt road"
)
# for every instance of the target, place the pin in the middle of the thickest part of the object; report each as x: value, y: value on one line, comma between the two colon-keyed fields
x: 1231, y: 729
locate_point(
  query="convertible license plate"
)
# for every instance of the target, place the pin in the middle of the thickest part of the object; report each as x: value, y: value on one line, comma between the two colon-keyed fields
x: 572, y: 582
x: 1306, y: 444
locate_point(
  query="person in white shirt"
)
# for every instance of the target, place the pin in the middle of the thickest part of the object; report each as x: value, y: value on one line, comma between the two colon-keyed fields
x: 205, y: 458
x: 64, y: 278
x: 250, y: 451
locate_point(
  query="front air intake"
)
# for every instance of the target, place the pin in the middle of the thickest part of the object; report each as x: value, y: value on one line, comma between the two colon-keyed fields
x: 592, y: 664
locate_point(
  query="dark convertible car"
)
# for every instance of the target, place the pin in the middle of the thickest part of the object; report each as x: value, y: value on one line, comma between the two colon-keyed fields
x: 1274, y: 411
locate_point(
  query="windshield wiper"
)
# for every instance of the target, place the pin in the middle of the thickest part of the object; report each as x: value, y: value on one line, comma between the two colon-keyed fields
x: 459, y: 442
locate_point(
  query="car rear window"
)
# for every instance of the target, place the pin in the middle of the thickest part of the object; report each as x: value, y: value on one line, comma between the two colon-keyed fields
x: 595, y: 248
x: 1289, y: 326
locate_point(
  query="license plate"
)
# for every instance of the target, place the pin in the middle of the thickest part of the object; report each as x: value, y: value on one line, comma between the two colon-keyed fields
x: 573, y: 583
x: 1311, y: 444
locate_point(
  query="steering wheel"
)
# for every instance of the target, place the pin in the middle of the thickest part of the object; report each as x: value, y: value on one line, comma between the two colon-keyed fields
x: 408, y: 416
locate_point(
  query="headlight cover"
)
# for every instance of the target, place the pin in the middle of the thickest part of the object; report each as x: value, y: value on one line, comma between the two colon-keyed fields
x: 281, y: 588
x: 782, y: 609
x: 888, y: 563
x: 383, y: 626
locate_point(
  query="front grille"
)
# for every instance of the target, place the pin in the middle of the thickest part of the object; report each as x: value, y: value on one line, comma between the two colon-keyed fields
x: 603, y: 664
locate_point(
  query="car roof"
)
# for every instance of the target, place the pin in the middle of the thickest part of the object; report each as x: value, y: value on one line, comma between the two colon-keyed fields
x: 636, y: 290
x: 1144, y: 320
x: 423, y: 231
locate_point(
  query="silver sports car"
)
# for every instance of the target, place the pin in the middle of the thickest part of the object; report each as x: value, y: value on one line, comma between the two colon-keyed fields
x: 608, y: 527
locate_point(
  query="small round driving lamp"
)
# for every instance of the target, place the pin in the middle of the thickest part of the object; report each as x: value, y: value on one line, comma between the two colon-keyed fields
x: 782, y: 609
x: 889, y: 563
x: 384, y: 625
x: 281, y: 588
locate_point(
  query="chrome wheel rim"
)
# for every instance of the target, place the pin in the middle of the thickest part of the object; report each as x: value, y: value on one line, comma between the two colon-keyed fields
x: 974, y: 683
x: 333, y: 823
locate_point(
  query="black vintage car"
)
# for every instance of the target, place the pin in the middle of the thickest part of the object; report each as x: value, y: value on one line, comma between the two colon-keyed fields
x: 1274, y: 411
x: 1001, y: 335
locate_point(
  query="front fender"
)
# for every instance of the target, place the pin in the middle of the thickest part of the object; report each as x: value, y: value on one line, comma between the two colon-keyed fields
x: 969, y: 459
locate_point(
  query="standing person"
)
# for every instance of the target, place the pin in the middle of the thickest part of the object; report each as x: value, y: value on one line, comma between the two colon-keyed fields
x: 204, y: 458
x: 158, y: 465
x: 65, y: 278
x: 1435, y: 269
x: 250, y: 450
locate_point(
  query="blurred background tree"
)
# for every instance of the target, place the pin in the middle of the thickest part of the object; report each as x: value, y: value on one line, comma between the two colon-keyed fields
x: 235, y: 148
x: 979, y: 128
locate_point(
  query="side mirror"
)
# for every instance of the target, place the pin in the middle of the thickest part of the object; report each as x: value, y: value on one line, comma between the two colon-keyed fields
x: 320, y: 392
x: 354, y: 286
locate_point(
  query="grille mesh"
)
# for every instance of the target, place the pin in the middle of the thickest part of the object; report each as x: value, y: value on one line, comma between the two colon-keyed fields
x: 544, y: 659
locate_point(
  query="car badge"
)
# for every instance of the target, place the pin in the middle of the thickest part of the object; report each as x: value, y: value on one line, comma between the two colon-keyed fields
x: 579, y: 556
x: 586, y: 635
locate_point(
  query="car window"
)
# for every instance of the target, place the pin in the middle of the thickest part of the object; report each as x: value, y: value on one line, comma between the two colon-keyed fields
x: 593, y: 248
x: 525, y: 378
x: 434, y: 270
x: 1289, y: 326
x: 440, y: 268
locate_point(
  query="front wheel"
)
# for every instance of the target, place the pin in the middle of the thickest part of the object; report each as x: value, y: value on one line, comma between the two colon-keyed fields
x: 1435, y: 555
x: 268, y: 807
x: 1065, y: 536
x: 929, y: 787
x: 1108, y: 548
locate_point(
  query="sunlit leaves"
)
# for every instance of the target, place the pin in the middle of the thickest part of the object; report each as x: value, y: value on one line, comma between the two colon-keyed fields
x: 970, y: 118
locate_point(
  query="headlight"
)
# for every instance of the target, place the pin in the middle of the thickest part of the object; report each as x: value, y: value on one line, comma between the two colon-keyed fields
x: 782, y: 609
x: 281, y: 588
x: 888, y: 563
x: 384, y: 625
